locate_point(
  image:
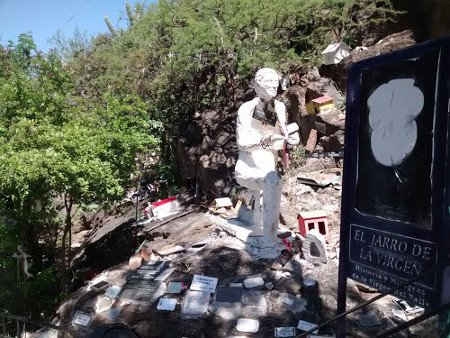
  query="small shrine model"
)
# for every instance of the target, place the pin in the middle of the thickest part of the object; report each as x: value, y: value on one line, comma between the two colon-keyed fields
x: 310, y: 220
x: 320, y: 104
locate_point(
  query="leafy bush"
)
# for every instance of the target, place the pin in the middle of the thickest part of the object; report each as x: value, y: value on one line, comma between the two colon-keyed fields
x: 183, y: 57
x: 57, y: 144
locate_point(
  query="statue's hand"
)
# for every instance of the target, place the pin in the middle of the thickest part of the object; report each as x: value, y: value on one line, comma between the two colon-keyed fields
x: 273, y: 141
x: 266, y: 141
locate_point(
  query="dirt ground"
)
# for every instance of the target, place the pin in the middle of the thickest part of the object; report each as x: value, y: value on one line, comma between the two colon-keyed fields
x: 211, y: 251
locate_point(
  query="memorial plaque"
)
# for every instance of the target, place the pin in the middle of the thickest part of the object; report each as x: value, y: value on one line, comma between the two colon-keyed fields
x: 142, y: 274
x: 228, y: 294
x: 141, y: 286
x: 140, y: 294
x: 284, y: 331
x: 167, y: 304
x: 395, y: 199
x: 82, y: 319
x: 203, y: 283
x: 385, y: 260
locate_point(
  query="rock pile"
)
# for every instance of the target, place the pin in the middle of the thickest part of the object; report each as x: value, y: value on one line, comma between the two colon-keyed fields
x: 208, y: 151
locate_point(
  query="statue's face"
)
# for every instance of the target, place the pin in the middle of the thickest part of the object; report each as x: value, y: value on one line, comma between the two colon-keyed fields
x: 267, y: 87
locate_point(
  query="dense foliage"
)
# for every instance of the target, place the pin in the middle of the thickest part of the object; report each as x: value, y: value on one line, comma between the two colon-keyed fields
x: 187, y: 56
x: 59, y: 149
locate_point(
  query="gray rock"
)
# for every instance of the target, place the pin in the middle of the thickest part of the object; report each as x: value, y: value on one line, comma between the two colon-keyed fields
x: 369, y: 320
x: 314, y: 247
x: 333, y: 121
x: 294, y: 266
x: 292, y: 286
x: 326, y: 277
x: 334, y: 142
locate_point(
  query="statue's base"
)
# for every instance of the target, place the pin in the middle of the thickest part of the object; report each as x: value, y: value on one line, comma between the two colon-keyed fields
x: 255, y: 243
x: 259, y: 247
x: 240, y: 229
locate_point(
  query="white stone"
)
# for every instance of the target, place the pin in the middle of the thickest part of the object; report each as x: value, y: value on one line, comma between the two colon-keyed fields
x: 285, y: 298
x: 253, y: 282
x: 314, y: 236
x: 247, y: 325
x: 103, y: 304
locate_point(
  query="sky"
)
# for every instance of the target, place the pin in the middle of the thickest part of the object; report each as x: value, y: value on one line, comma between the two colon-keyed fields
x: 43, y: 18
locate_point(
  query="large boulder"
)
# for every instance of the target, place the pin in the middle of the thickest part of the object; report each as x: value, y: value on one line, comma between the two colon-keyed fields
x: 207, y: 151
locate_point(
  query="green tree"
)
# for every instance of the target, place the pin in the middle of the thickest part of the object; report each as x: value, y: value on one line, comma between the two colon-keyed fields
x: 57, y: 145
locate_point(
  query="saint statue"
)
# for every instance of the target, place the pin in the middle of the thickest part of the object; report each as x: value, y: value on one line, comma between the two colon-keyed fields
x: 261, y: 132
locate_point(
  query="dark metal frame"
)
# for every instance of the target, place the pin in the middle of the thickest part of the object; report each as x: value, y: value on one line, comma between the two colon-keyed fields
x: 440, y: 181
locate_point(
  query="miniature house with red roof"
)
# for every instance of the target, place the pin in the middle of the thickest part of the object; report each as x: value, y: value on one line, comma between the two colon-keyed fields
x: 310, y: 220
x: 320, y: 104
x: 165, y: 207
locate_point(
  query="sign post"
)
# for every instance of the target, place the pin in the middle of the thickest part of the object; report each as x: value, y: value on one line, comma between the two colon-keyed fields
x: 395, y: 213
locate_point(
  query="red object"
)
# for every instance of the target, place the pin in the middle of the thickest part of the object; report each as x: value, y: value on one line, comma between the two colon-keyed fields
x: 310, y: 220
x: 287, y: 244
x: 164, y: 201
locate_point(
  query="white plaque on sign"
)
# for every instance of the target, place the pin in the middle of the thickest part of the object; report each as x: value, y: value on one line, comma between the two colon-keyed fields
x: 203, y: 283
x: 306, y: 326
x: 81, y: 318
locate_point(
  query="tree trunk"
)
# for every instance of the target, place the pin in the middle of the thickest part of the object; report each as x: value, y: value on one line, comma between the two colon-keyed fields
x: 67, y: 231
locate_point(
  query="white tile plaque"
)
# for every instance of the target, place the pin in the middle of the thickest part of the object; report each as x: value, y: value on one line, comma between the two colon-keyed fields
x: 203, y: 283
x: 81, y: 318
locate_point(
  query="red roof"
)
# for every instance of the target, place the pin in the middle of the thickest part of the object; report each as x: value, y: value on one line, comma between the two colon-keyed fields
x: 322, y: 99
x: 167, y: 200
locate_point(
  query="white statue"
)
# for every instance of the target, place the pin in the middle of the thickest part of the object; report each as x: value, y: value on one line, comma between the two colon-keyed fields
x: 261, y: 132
x: 22, y: 263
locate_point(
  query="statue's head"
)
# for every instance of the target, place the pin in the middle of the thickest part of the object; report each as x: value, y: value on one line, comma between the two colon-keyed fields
x: 266, y: 84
